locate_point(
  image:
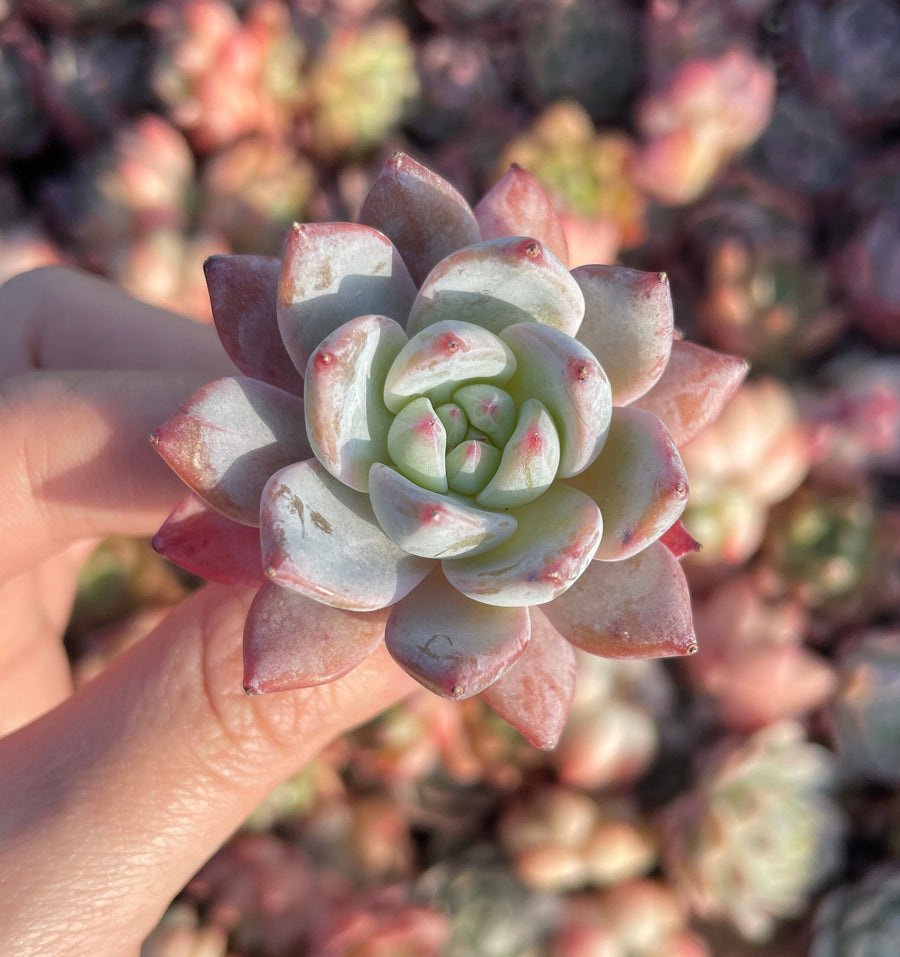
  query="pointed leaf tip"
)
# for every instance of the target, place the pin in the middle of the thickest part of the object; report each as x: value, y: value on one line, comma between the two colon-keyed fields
x: 243, y: 293
x: 420, y: 212
x: 518, y: 206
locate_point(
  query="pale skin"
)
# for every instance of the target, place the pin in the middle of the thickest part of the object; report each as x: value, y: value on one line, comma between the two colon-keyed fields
x: 112, y: 797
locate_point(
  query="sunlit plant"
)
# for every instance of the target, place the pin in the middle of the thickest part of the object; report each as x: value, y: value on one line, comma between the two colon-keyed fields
x: 444, y: 440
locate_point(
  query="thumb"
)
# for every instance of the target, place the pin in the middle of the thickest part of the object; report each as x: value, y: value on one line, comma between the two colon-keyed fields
x: 111, y: 802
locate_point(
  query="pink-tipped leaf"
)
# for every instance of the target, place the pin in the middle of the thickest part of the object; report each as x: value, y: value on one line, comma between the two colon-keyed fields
x: 679, y: 541
x: 425, y: 523
x: 229, y: 437
x: 636, y: 608
x: 567, y: 379
x: 535, y: 695
x: 346, y: 418
x: 441, y: 358
x: 498, y: 283
x: 556, y: 537
x: 628, y: 325
x: 693, y: 390
x: 205, y: 543
x: 454, y: 646
x: 420, y: 212
x: 518, y: 206
x: 639, y: 482
x: 243, y: 293
x: 334, y: 272
x: 321, y: 538
x: 291, y: 641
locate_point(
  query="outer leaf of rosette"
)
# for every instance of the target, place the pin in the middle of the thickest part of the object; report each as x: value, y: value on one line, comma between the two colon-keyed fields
x: 628, y: 325
x: 334, y: 272
x: 693, y: 390
x: 443, y: 357
x: 529, y: 462
x: 499, y: 283
x: 229, y: 437
x: 322, y: 539
x: 346, y: 417
x: 204, y: 542
x: 636, y: 608
x: 291, y: 641
x: 535, y: 696
x: 454, y: 646
x: 425, y: 217
x: 432, y: 525
x: 518, y: 206
x: 639, y: 482
x: 243, y: 293
x: 556, y: 538
x: 567, y: 378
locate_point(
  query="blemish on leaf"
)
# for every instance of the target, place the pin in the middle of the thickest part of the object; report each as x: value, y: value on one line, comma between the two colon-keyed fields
x: 426, y: 648
x: 321, y: 523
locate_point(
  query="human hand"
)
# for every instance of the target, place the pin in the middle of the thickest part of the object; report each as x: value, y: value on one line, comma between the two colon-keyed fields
x: 112, y: 797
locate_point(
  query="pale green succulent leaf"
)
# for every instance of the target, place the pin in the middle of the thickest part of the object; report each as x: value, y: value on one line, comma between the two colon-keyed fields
x: 498, y: 283
x: 529, y: 462
x: 331, y: 273
x: 489, y: 410
x: 470, y: 466
x: 437, y: 361
x: 346, y: 418
x: 417, y: 444
x: 454, y: 646
x: 321, y: 538
x: 555, y: 540
x: 425, y: 523
x: 454, y: 421
x: 569, y: 380
x: 639, y: 482
x: 628, y: 325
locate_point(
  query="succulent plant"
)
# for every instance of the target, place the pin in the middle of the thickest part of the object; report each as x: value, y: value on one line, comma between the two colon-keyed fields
x: 696, y: 120
x: 584, y: 173
x: 866, y: 713
x: 562, y: 839
x: 754, y: 664
x: 361, y: 86
x: 861, y: 919
x: 755, y: 455
x: 758, y: 833
x: 847, y: 53
x: 469, y: 481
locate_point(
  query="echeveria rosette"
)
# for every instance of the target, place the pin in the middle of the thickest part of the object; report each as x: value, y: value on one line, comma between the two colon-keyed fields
x: 445, y: 440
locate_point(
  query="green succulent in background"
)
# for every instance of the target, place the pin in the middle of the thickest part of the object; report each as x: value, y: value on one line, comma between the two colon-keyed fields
x: 861, y: 919
x: 758, y: 833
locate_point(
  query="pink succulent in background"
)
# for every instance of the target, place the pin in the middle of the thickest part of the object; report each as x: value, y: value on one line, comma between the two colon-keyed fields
x: 707, y: 112
x: 754, y: 664
x: 756, y: 454
x: 483, y: 463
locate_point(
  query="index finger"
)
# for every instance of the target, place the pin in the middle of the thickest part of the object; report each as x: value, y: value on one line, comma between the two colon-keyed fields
x: 56, y: 318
